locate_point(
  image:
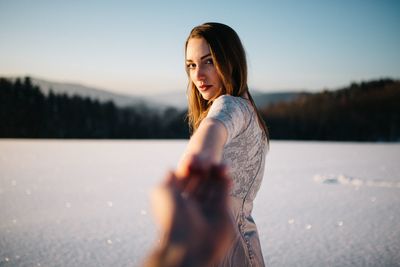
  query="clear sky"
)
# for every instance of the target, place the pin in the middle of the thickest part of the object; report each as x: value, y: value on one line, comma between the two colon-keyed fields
x: 137, y: 46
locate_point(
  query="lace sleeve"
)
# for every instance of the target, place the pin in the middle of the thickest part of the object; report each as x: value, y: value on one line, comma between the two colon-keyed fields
x: 233, y: 114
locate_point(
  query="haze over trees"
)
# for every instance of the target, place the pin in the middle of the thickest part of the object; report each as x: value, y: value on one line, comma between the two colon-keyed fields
x: 367, y: 111
x: 25, y: 112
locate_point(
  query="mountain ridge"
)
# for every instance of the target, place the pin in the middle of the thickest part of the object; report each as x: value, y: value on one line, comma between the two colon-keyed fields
x: 176, y: 99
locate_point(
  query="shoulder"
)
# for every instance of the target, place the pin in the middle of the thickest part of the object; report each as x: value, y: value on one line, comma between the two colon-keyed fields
x: 231, y: 102
x: 228, y: 99
x: 232, y: 111
x: 224, y: 98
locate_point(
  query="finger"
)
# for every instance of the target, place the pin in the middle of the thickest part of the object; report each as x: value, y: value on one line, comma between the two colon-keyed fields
x: 205, y: 184
x: 162, y: 200
x: 199, y: 163
x: 173, y: 182
x: 169, y: 178
x: 193, y: 182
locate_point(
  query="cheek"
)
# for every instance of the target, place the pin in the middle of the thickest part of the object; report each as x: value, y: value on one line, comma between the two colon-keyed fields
x: 216, y: 77
x: 191, y: 77
x: 218, y: 81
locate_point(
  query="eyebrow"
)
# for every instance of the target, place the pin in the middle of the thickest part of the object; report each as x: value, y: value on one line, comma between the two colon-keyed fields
x: 203, y: 57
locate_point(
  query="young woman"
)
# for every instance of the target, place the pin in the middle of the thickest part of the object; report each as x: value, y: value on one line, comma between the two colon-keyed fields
x: 226, y: 128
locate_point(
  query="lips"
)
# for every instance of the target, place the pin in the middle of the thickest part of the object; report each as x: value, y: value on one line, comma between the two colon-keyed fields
x: 204, y: 87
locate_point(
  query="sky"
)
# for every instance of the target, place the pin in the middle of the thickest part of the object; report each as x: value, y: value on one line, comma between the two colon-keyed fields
x: 137, y: 47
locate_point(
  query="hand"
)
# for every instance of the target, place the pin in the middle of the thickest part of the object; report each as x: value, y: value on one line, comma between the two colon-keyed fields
x: 193, y: 215
x: 206, y: 146
x: 200, y: 161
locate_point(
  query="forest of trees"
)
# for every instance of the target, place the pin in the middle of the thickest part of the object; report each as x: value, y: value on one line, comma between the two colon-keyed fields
x: 25, y: 112
x: 368, y: 111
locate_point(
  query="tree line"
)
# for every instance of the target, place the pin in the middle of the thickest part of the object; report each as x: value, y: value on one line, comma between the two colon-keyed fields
x: 25, y: 112
x: 366, y: 111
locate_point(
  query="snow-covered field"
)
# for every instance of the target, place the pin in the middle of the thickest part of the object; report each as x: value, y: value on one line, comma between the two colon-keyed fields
x: 85, y: 203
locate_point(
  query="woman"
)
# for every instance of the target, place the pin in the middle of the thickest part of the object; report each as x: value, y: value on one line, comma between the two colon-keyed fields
x: 226, y: 128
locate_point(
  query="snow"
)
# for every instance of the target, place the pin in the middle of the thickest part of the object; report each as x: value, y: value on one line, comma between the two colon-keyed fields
x: 86, y: 203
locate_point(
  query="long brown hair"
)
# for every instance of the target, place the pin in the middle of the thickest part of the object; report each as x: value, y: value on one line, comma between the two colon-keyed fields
x: 229, y: 59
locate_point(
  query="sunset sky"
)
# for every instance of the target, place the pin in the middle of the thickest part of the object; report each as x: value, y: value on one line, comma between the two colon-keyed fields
x: 136, y: 47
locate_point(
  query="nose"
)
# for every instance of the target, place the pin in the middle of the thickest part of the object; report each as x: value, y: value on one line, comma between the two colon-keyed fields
x: 199, y: 74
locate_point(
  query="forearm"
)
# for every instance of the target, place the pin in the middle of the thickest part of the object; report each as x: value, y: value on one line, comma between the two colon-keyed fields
x: 206, y: 144
x: 208, y: 140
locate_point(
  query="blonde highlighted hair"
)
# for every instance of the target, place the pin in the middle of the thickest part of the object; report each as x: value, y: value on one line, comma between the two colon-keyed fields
x: 229, y: 58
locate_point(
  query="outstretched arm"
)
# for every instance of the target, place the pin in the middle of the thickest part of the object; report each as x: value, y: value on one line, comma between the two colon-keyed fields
x: 206, y: 145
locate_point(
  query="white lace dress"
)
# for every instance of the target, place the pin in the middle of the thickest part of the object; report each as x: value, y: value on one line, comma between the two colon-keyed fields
x: 244, y: 153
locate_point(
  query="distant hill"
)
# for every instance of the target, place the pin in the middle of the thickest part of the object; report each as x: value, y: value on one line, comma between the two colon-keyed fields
x: 263, y: 100
x: 176, y: 99
x: 71, y: 89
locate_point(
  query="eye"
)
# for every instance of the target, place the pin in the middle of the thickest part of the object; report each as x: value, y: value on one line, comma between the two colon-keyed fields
x: 190, y: 66
x: 209, y: 61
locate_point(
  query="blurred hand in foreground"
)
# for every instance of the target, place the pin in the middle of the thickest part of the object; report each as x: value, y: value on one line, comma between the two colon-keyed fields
x: 193, y: 215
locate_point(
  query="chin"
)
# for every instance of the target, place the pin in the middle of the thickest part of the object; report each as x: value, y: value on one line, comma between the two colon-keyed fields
x: 205, y: 97
x: 210, y: 94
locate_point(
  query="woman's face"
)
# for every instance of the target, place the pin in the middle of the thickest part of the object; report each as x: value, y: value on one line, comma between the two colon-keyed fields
x: 202, y: 71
